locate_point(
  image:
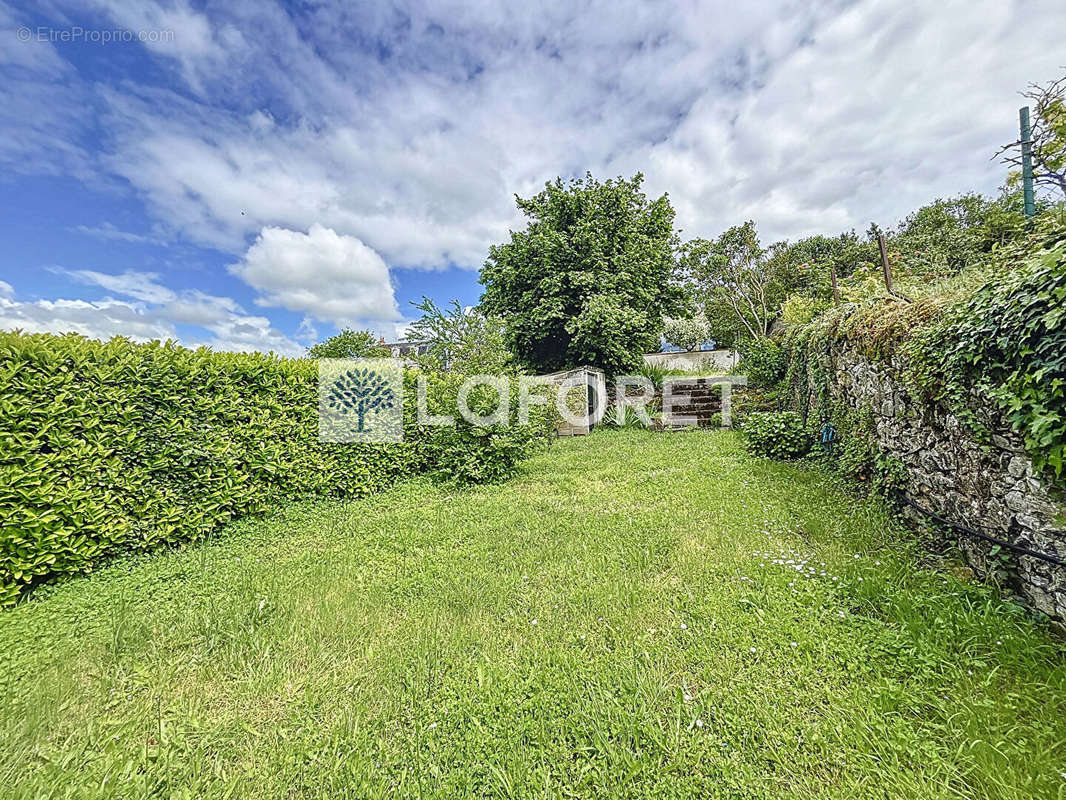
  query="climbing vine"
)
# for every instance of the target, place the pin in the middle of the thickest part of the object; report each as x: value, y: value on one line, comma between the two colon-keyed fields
x: 1007, y: 343
x: 998, y: 353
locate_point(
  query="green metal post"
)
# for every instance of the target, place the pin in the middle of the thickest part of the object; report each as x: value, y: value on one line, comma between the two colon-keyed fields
x: 1027, y: 162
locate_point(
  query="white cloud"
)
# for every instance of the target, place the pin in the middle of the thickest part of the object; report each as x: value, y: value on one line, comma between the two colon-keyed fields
x: 407, y: 127
x: 138, y: 285
x: 331, y: 277
x: 155, y: 313
x: 107, y: 231
x: 306, y: 331
x: 97, y: 320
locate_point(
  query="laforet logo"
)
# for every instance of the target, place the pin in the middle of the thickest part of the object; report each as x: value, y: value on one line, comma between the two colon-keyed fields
x: 360, y: 391
x: 360, y: 401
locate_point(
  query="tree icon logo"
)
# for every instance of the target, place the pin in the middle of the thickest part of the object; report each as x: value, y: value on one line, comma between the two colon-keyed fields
x: 360, y: 391
x: 360, y: 400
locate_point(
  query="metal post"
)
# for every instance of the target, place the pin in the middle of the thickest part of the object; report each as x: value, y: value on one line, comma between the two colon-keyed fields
x: 1027, y: 162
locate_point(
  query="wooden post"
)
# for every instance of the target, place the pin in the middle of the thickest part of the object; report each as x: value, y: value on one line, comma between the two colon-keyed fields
x: 885, y: 267
x: 836, y: 290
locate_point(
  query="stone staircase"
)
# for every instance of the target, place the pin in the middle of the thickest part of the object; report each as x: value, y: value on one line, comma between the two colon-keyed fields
x: 699, y: 398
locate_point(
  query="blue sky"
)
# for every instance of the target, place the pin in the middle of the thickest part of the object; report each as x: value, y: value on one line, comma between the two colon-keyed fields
x: 252, y: 175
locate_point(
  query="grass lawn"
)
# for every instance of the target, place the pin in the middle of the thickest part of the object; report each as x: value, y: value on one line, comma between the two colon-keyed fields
x: 637, y: 615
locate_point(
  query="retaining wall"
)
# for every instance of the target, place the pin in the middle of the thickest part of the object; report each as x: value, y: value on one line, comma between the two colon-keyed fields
x: 990, y: 487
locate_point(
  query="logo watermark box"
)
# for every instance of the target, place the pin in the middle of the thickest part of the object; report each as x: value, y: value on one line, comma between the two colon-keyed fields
x: 360, y: 400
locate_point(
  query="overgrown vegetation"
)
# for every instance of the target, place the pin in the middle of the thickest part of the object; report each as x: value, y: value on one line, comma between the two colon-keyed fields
x: 1008, y: 343
x: 460, y: 340
x: 111, y: 447
x: 636, y: 615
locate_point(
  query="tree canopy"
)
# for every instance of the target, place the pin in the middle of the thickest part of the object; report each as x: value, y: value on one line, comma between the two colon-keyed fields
x: 348, y: 343
x: 590, y: 278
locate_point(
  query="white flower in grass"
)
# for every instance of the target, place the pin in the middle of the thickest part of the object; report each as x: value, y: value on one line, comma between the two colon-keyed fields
x: 752, y: 650
x: 688, y: 697
x: 533, y: 622
x: 793, y: 644
x: 841, y: 614
x: 699, y: 723
x: 684, y: 627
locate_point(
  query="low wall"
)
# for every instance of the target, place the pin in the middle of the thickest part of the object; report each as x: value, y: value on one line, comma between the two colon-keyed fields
x: 990, y: 488
x: 715, y: 360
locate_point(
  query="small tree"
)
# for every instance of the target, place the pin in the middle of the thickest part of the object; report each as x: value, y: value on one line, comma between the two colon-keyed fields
x: 687, y: 333
x: 464, y: 340
x: 1048, y: 137
x: 348, y: 344
x: 731, y: 274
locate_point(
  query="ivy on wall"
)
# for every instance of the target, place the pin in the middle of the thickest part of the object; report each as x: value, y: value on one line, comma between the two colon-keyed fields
x: 1004, y: 342
x: 1008, y: 343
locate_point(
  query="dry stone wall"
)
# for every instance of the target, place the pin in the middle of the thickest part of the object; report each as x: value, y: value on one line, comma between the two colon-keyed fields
x: 988, y: 487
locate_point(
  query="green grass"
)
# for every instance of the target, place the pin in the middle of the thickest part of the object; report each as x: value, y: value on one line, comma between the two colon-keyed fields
x: 611, y: 623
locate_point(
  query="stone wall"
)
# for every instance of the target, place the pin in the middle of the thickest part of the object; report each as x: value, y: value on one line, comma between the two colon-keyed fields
x: 713, y: 360
x: 991, y: 488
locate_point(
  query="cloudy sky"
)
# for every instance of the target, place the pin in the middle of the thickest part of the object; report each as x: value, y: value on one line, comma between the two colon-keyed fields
x: 252, y: 175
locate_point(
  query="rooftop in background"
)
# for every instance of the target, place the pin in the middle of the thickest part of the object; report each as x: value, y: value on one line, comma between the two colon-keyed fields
x: 401, y: 349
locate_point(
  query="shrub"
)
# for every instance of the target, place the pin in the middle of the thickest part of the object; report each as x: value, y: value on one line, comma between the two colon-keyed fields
x: 687, y: 333
x: 465, y: 453
x: 622, y: 416
x: 776, y: 434
x: 763, y: 361
x: 112, y: 447
x: 654, y: 373
x: 799, y: 310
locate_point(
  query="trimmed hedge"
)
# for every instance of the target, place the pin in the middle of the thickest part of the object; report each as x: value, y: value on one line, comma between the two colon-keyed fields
x: 107, y: 447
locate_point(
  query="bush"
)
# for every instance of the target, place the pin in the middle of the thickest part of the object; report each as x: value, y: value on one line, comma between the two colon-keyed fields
x: 467, y: 454
x: 654, y: 373
x: 687, y: 334
x: 111, y: 447
x: 763, y: 361
x: 622, y: 416
x: 800, y: 310
x: 776, y: 434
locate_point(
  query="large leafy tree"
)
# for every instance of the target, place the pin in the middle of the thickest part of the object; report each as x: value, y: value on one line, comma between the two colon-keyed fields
x: 348, y: 344
x: 590, y: 278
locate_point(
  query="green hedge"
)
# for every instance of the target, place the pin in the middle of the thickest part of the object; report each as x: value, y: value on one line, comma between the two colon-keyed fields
x: 112, y: 447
